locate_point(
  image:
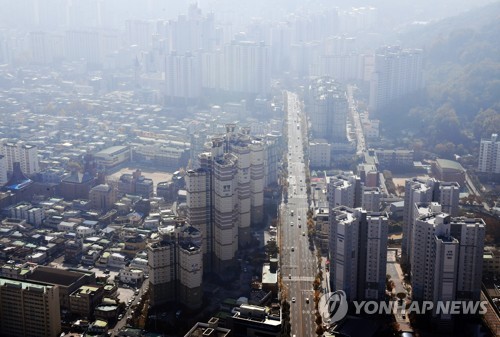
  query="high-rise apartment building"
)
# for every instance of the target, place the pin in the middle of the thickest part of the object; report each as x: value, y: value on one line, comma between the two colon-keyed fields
x: 397, y: 72
x: 274, y: 151
x: 83, y: 44
x: 29, y: 309
x: 344, y: 190
x: 370, y: 200
x: 446, y: 260
x: 489, y: 155
x: 358, y: 252
x: 182, y: 77
x: 175, y: 265
x: 139, y: 33
x: 191, y: 32
x: 226, y: 194
x: 327, y: 106
x: 246, y: 68
x: 3, y: 169
x: 25, y: 154
x: 425, y: 190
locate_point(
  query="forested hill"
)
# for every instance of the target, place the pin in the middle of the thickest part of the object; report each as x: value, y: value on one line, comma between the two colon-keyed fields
x: 462, y: 77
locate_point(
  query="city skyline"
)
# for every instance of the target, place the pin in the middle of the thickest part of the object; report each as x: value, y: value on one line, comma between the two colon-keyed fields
x: 271, y: 169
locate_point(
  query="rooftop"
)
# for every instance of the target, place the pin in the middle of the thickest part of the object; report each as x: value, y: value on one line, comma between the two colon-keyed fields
x: 54, y: 276
x: 449, y: 165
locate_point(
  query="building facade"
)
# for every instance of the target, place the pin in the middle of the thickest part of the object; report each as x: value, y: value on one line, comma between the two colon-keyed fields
x: 358, y: 252
x: 327, y: 105
x: 344, y: 190
x: 25, y: 154
x: 425, y: 190
x: 175, y: 265
x: 397, y: 72
x: 29, y: 309
x: 489, y: 155
x: 225, y: 196
x: 446, y: 260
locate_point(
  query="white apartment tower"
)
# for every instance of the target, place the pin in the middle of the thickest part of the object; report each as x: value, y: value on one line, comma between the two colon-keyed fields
x: 25, y: 154
x: 418, y: 190
x: 327, y: 106
x: 358, y: 252
x: 247, y: 68
x: 175, y: 265
x: 470, y: 232
x: 257, y: 172
x: 182, y: 77
x: 3, y: 170
x: 489, y: 155
x: 344, y: 190
x: 397, y: 72
x: 370, y: 200
x: 446, y: 263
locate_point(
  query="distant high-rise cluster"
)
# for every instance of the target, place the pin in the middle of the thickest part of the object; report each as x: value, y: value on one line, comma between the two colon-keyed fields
x: 397, y: 72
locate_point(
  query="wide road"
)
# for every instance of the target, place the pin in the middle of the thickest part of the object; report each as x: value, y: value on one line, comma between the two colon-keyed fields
x: 298, y: 262
x: 356, y: 118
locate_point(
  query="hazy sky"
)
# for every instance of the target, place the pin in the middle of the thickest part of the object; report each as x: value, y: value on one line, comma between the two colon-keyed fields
x: 41, y: 14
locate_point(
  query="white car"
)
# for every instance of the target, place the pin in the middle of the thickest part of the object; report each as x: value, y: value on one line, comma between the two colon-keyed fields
x: 293, y: 299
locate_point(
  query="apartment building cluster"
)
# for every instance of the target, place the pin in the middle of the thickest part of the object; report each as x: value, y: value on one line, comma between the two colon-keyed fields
x: 443, y: 253
x: 225, y: 195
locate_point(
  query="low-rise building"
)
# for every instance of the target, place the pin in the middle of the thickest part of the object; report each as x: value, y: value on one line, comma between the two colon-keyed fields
x: 131, y: 275
x: 449, y: 171
x: 112, y: 156
x: 253, y: 321
x: 491, y: 261
x: 84, y: 300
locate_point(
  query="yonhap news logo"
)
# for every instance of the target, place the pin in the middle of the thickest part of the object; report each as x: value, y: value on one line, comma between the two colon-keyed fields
x: 333, y: 306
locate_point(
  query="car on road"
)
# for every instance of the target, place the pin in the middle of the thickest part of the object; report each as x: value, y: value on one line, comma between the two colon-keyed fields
x: 298, y: 217
x: 293, y: 299
x: 120, y: 316
x: 289, y: 275
x: 293, y: 249
x: 307, y: 299
x: 300, y: 225
x: 303, y: 233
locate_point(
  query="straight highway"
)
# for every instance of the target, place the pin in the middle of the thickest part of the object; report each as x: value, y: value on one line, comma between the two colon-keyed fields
x: 298, y: 260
